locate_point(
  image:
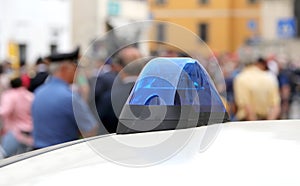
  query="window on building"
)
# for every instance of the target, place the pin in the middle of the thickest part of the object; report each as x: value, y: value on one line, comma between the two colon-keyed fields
x: 297, y: 16
x: 53, y: 48
x: 160, y: 2
x: 203, y: 2
x: 203, y: 31
x: 22, y: 53
x: 161, y: 29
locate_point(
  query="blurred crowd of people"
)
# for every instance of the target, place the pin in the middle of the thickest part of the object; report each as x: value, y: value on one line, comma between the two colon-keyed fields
x: 62, y: 101
x: 260, y: 88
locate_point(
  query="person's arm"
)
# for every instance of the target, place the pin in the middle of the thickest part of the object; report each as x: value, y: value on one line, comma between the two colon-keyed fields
x: 86, y: 122
x: 274, y: 111
x: 285, y: 92
x: 242, y: 99
x: 93, y: 132
x: 6, y: 106
x: 250, y: 113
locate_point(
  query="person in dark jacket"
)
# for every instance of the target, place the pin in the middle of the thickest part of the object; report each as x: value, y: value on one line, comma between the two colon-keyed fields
x: 112, y: 101
x: 41, y: 74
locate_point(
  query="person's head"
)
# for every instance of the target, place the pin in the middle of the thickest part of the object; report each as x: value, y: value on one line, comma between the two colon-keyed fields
x: 133, y: 69
x: 64, y: 70
x: 41, y: 65
x: 16, y: 82
x: 247, y: 60
x: 124, y: 57
x: 1, y: 69
x: 262, y: 64
x: 64, y: 66
x: 169, y: 53
x: 39, y: 61
x: 7, y: 67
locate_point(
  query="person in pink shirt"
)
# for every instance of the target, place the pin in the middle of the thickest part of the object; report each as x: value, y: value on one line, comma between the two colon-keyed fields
x: 15, y: 112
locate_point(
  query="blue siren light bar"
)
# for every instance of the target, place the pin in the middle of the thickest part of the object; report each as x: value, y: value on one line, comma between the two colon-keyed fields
x: 172, y: 93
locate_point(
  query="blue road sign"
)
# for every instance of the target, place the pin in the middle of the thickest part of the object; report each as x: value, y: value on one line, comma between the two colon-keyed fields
x: 113, y: 8
x: 286, y: 28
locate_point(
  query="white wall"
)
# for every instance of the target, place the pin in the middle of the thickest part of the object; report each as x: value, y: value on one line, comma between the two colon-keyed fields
x: 1, y: 28
x: 130, y: 12
x: 85, y: 22
x: 272, y: 11
x: 102, y: 15
x: 135, y: 10
x: 89, y: 19
x: 36, y: 23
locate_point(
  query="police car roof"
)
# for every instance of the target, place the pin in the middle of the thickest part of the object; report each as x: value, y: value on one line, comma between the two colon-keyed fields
x: 244, y: 153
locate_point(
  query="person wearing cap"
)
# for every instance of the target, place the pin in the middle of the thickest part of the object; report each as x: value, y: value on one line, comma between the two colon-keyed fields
x: 256, y: 92
x: 59, y: 115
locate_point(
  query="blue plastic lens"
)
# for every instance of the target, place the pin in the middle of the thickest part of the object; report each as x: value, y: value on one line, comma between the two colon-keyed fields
x: 176, y: 81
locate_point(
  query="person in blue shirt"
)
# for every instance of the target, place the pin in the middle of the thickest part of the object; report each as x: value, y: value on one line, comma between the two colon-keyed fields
x: 60, y: 115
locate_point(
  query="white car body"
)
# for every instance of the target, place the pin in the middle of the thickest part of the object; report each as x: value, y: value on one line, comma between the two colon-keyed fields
x: 243, y: 153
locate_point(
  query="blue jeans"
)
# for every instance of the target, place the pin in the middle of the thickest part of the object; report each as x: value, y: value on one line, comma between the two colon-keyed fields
x: 11, y: 146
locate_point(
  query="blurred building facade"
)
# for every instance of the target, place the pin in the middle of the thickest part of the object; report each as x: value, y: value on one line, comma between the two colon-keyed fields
x: 279, y: 29
x: 272, y: 13
x: 91, y: 20
x: 223, y: 25
x: 33, y: 28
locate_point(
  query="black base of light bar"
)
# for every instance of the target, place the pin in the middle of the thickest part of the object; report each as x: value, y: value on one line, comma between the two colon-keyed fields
x: 138, y: 119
